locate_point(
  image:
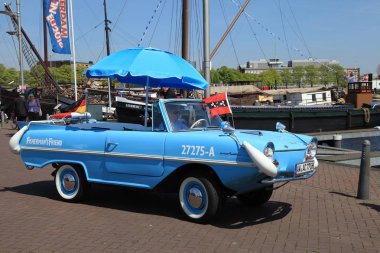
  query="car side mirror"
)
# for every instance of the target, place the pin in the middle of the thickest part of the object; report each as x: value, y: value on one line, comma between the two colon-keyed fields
x: 226, y: 127
x: 280, y: 127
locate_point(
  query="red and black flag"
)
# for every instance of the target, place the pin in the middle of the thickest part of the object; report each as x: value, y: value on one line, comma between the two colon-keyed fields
x: 218, y: 104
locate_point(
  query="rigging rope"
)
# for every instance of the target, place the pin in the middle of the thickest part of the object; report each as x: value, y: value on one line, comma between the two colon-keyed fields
x: 300, y: 52
x: 178, y: 24
x: 254, y: 34
x: 158, y: 20
x: 171, y: 28
x: 298, y: 27
x: 199, y: 34
x: 118, y: 17
x: 149, y: 22
x: 84, y: 34
x: 283, y: 28
x: 229, y: 34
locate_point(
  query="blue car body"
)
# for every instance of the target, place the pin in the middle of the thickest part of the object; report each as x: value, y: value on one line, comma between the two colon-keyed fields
x: 144, y: 157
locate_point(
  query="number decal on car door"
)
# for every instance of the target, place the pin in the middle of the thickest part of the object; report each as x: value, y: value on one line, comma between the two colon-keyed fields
x: 197, y: 150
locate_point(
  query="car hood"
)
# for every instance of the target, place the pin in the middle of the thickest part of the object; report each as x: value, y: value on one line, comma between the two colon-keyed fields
x: 283, y: 141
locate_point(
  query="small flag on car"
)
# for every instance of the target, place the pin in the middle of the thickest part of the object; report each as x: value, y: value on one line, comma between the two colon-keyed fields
x: 218, y: 104
x: 78, y: 106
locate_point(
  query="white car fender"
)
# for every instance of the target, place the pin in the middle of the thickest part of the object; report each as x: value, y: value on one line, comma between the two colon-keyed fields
x: 261, y: 161
x: 14, y: 142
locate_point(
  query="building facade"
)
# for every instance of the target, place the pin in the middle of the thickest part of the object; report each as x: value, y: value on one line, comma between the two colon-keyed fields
x: 259, y: 66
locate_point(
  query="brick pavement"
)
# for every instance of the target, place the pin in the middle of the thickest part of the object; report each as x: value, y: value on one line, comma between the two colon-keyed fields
x: 317, y: 215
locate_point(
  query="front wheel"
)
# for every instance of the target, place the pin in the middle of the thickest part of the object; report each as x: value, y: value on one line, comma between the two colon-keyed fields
x: 70, y: 182
x: 199, y: 198
x: 256, y: 198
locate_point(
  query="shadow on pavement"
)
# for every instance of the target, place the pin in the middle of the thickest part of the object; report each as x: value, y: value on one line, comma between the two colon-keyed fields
x: 233, y: 214
x: 344, y: 194
x: 373, y: 206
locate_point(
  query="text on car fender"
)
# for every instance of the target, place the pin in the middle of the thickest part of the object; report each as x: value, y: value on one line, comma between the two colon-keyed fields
x: 197, y: 150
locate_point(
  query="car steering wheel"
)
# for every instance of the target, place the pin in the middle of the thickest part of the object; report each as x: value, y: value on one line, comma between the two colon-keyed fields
x: 198, y: 122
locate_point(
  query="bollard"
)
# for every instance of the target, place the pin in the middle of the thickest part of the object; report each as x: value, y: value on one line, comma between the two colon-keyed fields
x: 2, y: 118
x: 337, y: 139
x: 365, y: 166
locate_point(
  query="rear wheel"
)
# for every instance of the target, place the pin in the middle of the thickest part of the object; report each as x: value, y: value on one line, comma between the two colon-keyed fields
x: 70, y: 182
x: 199, y: 198
x: 256, y: 198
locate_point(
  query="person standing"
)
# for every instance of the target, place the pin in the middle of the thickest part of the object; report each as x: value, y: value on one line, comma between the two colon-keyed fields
x: 34, y: 107
x: 166, y: 92
x: 20, y: 109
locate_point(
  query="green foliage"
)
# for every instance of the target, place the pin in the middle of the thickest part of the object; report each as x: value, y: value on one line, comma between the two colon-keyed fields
x: 270, y: 78
x: 311, y: 75
x: 35, y: 76
x: 286, y: 77
x: 228, y: 75
x: 7, y: 76
x: 298, y: 75
x: 339, y: 75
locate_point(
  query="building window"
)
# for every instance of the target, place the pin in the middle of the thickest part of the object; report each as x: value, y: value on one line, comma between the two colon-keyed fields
x: 313, y: 97
x: 324, y: 96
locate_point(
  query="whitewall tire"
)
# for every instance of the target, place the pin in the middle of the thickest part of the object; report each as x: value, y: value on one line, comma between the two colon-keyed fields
x: 70, y: 183
x: 199, y: 198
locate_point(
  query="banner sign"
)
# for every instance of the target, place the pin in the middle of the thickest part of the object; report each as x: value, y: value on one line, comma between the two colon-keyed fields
x: 58, y: 25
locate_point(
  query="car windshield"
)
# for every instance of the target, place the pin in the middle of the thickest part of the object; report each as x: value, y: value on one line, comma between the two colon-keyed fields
x: 188, y: 116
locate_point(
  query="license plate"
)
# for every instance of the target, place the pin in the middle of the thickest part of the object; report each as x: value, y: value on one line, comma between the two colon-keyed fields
x: 303, y: 168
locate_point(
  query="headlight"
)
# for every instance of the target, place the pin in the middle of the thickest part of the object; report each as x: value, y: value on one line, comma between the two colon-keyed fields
x: 269, y: 152
x: 312, y: 148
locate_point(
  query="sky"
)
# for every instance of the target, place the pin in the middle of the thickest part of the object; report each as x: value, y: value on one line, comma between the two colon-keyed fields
x: 344, y: 30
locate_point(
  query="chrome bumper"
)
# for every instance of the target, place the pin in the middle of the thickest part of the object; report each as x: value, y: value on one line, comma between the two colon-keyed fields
x: 286, y: 179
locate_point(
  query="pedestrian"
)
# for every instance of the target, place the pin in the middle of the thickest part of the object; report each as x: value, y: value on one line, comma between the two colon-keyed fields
x: 166, y: 92
x: 20, y: 109
x: 34, y: 107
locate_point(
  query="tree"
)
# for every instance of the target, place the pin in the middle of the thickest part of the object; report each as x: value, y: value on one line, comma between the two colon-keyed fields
x: 339, y: 74
x: 298, y: 75
x: 311, y: 73
x: 8, y: 75
x: 35, y: 76
x: 270, y: 77
x: 286, y: 77
x: 215, y: 76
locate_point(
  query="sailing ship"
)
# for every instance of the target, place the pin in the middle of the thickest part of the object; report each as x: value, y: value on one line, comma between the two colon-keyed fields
x: 299, y: 119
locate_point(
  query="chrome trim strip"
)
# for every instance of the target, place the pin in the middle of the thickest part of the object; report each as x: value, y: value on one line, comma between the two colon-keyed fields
x: 208, y: 161
x: 153, y: 157
x: 286, y: 179
x: 143, y: 156
x: 290, y: 150
x: 86, y: 152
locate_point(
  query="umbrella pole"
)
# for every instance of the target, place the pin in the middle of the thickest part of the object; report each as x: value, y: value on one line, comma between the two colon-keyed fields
x: 146, y: 101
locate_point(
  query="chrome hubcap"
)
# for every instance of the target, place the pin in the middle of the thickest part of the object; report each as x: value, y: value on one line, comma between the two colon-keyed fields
x: 195, y: 197
x: 68, y: 182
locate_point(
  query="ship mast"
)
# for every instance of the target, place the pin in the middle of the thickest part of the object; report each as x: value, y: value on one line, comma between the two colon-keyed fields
x: 206, y: 44
x: 107, y: 30
x: 46, y: 57
x: 20, y: 59
x: 185, y: 35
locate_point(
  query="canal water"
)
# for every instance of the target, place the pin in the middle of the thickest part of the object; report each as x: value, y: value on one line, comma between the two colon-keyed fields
x: 357, y: 143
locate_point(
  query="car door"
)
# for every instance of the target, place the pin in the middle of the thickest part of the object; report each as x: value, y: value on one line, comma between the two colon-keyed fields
x: 130, y: 155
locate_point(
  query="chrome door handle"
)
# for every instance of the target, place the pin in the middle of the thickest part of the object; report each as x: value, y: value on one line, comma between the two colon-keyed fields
x: 112, y: 144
